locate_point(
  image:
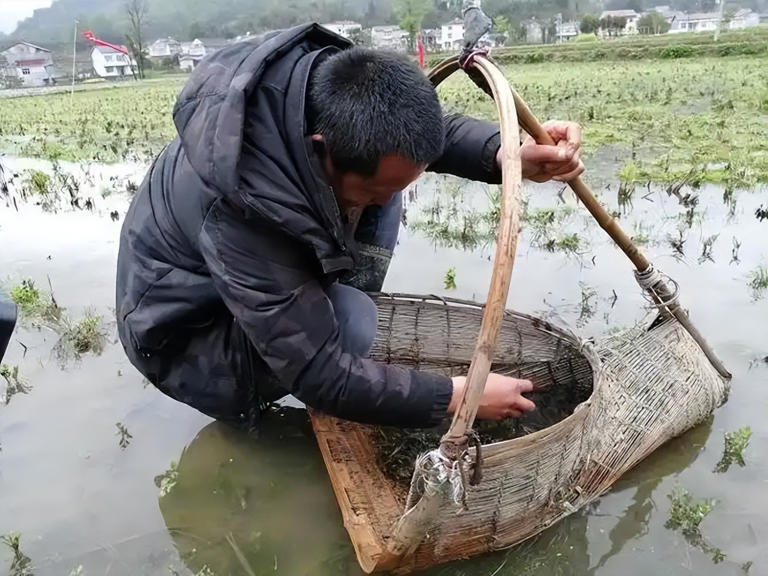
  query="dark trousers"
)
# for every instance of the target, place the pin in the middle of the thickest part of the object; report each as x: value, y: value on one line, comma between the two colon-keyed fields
x: 219, y: 372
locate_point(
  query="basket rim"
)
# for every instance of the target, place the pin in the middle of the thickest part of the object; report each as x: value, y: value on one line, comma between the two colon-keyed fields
x: 583, y: 346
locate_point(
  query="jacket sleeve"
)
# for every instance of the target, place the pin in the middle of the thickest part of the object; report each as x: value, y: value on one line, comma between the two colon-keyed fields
x: 267, y: 285
x: 470, y: 149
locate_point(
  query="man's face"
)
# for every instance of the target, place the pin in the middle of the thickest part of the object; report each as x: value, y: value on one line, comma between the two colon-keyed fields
x: 394, y: 173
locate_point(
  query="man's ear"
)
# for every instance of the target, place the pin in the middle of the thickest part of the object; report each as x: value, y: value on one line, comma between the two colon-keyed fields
x: 318, y: 143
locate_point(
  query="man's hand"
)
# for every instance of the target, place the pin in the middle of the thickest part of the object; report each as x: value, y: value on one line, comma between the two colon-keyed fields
x: 560, y: 162
x: 502, y: 397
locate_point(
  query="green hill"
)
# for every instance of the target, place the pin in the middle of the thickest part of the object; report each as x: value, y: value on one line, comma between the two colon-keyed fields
x: 188, y: 19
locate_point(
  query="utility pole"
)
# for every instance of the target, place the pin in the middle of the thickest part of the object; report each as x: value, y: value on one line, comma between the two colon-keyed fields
x: 74, y: 58
x: 719, y: 18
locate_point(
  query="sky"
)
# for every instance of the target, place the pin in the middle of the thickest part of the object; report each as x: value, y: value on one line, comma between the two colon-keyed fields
x: 13, y: 11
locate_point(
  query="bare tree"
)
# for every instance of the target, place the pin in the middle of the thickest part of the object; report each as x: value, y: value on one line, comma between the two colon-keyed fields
x: 137, y: 17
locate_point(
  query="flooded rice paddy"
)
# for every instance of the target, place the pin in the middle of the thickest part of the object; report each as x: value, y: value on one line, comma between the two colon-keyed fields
x: 102, y: 474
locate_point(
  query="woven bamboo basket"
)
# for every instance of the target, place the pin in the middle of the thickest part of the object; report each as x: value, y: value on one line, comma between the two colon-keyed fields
x: 632, y: 392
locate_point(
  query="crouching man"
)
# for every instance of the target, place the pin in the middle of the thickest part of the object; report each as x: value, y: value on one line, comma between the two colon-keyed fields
x: 245, y: 256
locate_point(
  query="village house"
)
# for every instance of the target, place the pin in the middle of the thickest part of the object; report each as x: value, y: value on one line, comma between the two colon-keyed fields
x: 110, y: 63
x: 31, y: 65
x: 389, y: 38
x: 451, y: 35
x: 567, y: 30
x: 630, y: 16
x: 193, y: 52
x: 533, y: 31
x: 164, y: 48
x: 744, y: 18
x: 707, y: 21
x: 697, y: 22
x: 430, y: 38
x: 345, y: 28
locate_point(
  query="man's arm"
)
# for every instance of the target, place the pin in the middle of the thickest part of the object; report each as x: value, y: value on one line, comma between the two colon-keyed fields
x: 470, y: 149
x: 290, y: 321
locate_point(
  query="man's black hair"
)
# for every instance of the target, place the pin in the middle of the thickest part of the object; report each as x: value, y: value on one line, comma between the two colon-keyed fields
x: 367, y: 104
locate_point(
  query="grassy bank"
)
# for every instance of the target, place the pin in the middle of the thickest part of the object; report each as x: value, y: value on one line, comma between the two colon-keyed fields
x: 125, y: 122
x: 661, y: 120
x: 751, y: 41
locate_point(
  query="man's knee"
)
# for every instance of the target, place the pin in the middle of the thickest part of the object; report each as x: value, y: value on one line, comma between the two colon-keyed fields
x: 357, y: 317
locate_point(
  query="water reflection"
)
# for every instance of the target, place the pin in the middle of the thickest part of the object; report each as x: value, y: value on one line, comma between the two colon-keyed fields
x: 672, y: 458
x: 245, y: 504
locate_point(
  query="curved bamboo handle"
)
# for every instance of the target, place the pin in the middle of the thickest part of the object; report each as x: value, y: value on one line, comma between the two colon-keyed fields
x: 506, y: 243
x: 661, y: 292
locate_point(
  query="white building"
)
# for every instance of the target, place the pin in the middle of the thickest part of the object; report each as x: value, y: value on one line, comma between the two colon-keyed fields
x: 32, y: 64
x: 389, y: 38
x: 533, y: 31
x: 346, y: 28
x: 110, y: 63
x: 164, y: 48
x: 430, y: 37
x: 707, y: 21
x: 451, y: 36
x: 678, y: 23
x: 193, y: 52
x: 567, y: 30
x: 697, y: 22
x: 744, y: 18
x: 631, y: 17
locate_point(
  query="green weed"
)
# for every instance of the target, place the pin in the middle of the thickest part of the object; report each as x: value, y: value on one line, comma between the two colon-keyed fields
x: 544, y: 225
x: 642, y: 236
x: 26, y: 297
x: 125, y: 436
x: 588, y: 304
x: 677, y: 242
x: 451, y: 223
x: 86, y: 336
x: 686, y: 515
x: 569, y: 244
x: 20, y: 563
x: 735, y: 246
x: 36, y: 306
x: 450, y: 279
x: 15, y: 384
x: 166, y: 481
x: 629, y: 172
x: 38, y: 182
x: 733, y: 451
x: 706, y: 248
x: 758, y: 282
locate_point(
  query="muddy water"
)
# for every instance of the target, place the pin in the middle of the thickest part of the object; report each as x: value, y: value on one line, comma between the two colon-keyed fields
x: 79, y: 499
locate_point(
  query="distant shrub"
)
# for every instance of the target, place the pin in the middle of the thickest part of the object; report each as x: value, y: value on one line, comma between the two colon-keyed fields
x: 584, y: 38
x: 681, y: 51
x: 598, y: 54
x: 535, y: 57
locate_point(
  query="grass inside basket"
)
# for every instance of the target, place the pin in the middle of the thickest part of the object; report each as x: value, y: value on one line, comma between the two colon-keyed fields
x: 556, y: 398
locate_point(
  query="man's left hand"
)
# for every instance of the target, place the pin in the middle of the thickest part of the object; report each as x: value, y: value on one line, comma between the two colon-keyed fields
x: 560, y: 162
